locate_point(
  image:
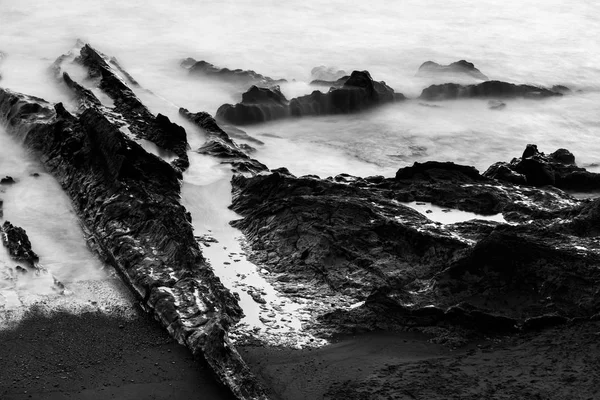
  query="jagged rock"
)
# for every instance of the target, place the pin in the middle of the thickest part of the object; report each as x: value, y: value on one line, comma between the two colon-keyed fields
x: 7, y: 180
x: 323, y: 73
x: 136, y: 118
x: 537, y: 169
x: 236, y: 76
x: 359, y: 92
x: 128, y: 203
x: 219, y: 144
x: 461, y: 67
x: 498, y: 89
x: 353, y: 237
x: 18, y: 245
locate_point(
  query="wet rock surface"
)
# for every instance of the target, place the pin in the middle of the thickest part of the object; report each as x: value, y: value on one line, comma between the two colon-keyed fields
x: 557, y: 169
x: 357, y: 237
x: 358, y: 93
x: 219, y: 144
x: 18, y: 245
x: 128, y: 202
x: 497, y: 89
x: 235, y: 76
x: 127, y: 110
x: 458, y: 68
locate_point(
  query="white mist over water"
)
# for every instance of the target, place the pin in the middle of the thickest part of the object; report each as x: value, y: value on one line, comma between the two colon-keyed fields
x: 531, y: 41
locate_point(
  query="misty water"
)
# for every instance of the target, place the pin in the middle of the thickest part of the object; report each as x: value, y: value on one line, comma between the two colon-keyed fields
x: 531, y: 41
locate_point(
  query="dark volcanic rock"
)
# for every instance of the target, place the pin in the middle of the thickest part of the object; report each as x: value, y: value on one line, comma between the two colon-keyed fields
x: 219, y: 144
x: 7, y: 180
x: 136, y: 117
x: 359, y: 92
x: 128, y: 203
x: 258, y: 105
x: 353, y: 237
x: 236, y: 76
x: 18, y: 245
x: 461, y: 67
x: 537, y: 169
x: 498, y: 89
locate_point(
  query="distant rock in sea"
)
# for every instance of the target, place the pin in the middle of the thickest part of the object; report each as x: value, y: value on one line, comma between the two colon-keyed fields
x: 488, y: 89
x: 234, y: 76
x: 359, y: 92
x: 457, y: 68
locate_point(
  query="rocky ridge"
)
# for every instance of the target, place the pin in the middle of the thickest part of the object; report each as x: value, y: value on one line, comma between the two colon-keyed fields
x: 128, y: 202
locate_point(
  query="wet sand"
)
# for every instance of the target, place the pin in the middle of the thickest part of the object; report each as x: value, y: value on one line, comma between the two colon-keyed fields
x: 95, y: 356
x: 561, y: 363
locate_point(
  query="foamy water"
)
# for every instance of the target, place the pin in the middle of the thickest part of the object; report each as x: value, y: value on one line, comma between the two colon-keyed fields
x: 37, y: 204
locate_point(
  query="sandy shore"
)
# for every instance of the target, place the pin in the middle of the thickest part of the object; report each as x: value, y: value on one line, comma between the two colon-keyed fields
x: 561, y: 363
x: 94, y: 356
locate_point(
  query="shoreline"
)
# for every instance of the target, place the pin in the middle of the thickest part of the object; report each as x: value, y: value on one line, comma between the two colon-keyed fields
x: 98, y: 356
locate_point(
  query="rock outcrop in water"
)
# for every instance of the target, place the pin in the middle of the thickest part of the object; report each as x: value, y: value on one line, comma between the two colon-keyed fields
x: 356, y: 237
x: 489, y: 89
x: 359, y: 92
x: 219, y: 144
x: 235, y: 76
x: 537, y: 169
x: 323, y: 73
x: 458, y: 68
x: 18, y: 245
x: 128, y: 202
x: 132, y: 116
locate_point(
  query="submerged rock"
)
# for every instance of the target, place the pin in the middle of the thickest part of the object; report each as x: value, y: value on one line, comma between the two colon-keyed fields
x: 235, y: 76
x: 537, y: 169
x: 359, y: 92
x: 458, y: 68
x: 498, y: 89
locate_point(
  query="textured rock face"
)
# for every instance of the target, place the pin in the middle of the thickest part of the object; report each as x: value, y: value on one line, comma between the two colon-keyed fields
x: 134, y: 115
x: 219, y: 144
x: 17, y: 243
x: 353, y: 236
x: 235, y: 76
x: 359, y: 92
x: 537, y: 169
x: 128, y: 203
x: 458, y: 68
x: 498, y: 89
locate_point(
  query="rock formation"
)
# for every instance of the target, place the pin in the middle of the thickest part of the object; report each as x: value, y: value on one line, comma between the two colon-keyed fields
x: 458, y: 68
x: 537, y: 169
x: 128, y: 202
x: 356, y: 237
x: 135, y: 118
x: 359, y: 92
x: 235, y: 76
x: 219, y: 144
x: 489, y: 89
x: 323, y: 73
